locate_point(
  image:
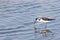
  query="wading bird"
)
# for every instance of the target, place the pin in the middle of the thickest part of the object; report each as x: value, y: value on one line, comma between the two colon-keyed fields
x: 43, y: 20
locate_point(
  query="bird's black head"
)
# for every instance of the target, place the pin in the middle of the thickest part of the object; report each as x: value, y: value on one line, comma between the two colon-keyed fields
x: 36, y: 18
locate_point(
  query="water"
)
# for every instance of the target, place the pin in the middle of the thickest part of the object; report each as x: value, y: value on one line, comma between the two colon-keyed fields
x: 17, y: 19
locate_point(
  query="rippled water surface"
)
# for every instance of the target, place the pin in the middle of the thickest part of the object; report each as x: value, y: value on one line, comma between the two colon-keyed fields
x: 17, y: 19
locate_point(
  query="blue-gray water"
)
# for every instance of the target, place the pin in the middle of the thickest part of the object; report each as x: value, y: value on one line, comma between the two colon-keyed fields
x: 17, y: 17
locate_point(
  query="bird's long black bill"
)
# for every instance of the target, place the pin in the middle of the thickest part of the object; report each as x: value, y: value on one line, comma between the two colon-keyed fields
x: 34, y: 22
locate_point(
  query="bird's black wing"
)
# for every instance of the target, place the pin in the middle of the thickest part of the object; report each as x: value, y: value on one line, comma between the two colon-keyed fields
x: 47, y: 19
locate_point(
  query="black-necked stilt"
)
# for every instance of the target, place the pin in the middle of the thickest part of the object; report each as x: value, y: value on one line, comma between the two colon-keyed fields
x: 44, y: 20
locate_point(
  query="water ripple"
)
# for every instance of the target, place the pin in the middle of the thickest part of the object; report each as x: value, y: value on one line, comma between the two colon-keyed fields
x: 12, y: 28
x: 23, y: 14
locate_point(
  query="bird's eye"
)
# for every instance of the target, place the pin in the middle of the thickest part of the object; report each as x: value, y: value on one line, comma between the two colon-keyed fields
x: 39, y: 19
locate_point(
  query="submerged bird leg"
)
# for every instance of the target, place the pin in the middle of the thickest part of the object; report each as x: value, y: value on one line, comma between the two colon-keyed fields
x: 45, y: 26
x: 44, y: 31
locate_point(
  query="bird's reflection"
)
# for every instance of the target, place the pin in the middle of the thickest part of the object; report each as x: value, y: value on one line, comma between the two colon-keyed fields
x: 43, y: 32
